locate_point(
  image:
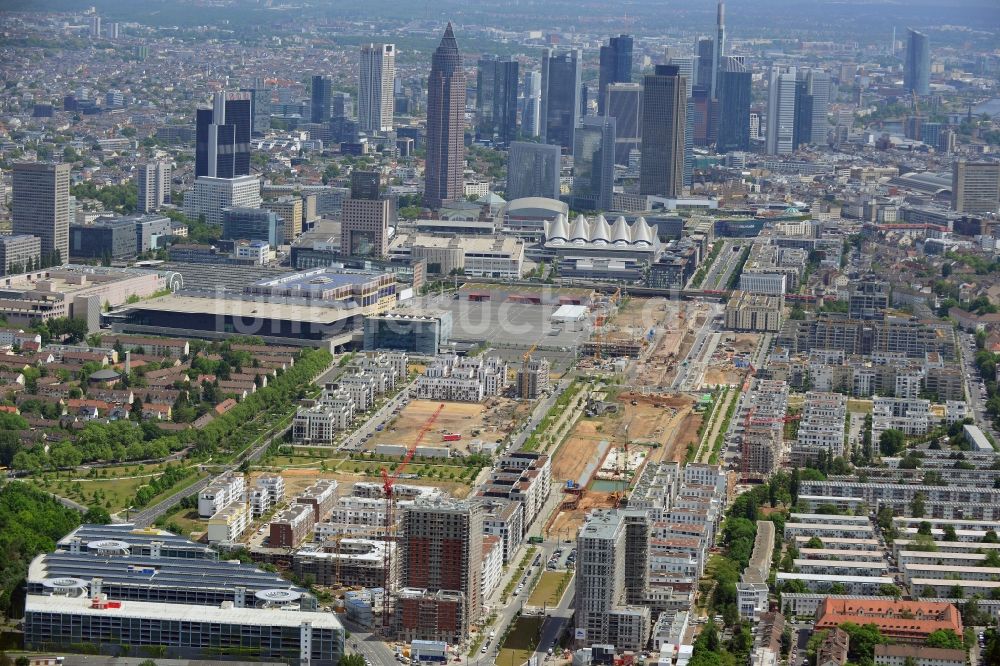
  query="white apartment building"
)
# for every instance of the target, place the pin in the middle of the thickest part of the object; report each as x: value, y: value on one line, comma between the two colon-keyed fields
x: 319, y: 423
x: 822, y: 423
x: 462, y: 379
x: 268, y: 492
x: 492, y: 565
x: 220, y: 493
x: 229, y: 524
x: 909, y: 415
x: 363, y: 389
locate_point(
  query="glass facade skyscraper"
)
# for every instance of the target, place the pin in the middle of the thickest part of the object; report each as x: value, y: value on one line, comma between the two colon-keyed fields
x: 222, y: 137
x: 594, y: 163
x: 615, y: 66
x: 532, y: 170
x: 496, y: 100
x: 319, y: 101
x: 561, y: 72
x: 917, y: 67
x: 734, y: 107
x: 664, y: 119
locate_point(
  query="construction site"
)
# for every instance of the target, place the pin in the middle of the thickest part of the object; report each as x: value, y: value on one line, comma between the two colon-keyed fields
x: 592, y: 464
x: 457, y: 424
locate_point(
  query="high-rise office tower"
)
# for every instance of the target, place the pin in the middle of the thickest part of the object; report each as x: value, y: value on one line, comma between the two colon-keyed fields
x: 975, y: 187
x: 704, y: 50
x: 615, y: 66
x: 153, y: 184
x: 319, y: 101
x: 531, y: 115
x: 441, y: 569
x: 917, y: 66
x: 40, y: 205
x: 623, y: 102
x: 532, y: 170
x: 781, y: 111
x: 222, y: 137
x: 718, y: 50
x: 701, y: 126
x: 376, y: 101
x: 686, y: 68
x: 445, y: 124
x: 802, y: 127
x: 594, y: 163
x: 664, y: 118
x: 560, y: 114
x: 689, y: 143
x: 819, y: 89
x: 734, y: 106
x: 260, y: 106
x: 496, y: 100
x: 364, y: 225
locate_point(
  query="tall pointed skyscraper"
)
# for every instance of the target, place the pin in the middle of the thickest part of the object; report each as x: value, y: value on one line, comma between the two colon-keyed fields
x: 445, y: 124
x: 719, y: 47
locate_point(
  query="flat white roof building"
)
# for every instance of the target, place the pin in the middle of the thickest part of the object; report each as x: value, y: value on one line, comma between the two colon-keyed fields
x: 315, y: 638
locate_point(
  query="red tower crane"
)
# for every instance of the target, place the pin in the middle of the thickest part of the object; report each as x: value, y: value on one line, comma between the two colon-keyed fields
x: 388, y: 481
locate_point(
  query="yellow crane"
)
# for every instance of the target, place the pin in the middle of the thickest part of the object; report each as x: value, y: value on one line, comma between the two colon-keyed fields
x: 527, y: 354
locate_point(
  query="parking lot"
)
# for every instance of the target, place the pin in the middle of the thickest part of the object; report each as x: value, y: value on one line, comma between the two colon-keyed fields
x: 505, y: 324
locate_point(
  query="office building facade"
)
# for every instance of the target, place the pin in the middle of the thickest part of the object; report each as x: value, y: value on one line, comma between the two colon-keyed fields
x: 735, y: 96
x: 533, y: 170
x: 376, y: 101
x: 532, y: 112
x: 975, y: 186
x: 615, y: 66
x: 252, y: 224
x: 319, y: 100
x: 917, y: 65
x: 560, y: 109
x: 260, y: 106
x: 222, y: 137
x: 664, y: 118
x: 113, y: 239
x: 445, y: 124
x: 40, y: 205
x: 364, y: 225
x: 819, y: 90
x: 623, y: 102
x: 18, y: 251
x: 496, y: 100
x: 781, y: 111
x: 153, y: 185
x: 594, y: 163
x: 211, y: 195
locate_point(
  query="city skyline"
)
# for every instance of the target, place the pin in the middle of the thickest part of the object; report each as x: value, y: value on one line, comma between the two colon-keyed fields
x: 359, y: 333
